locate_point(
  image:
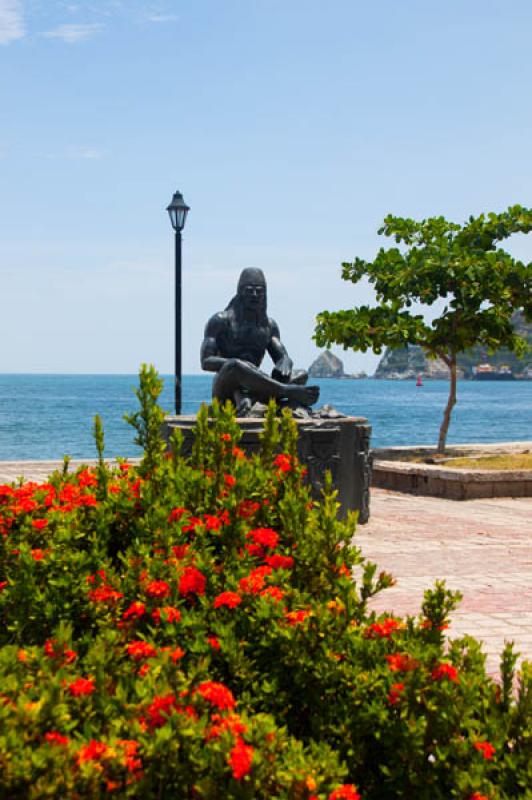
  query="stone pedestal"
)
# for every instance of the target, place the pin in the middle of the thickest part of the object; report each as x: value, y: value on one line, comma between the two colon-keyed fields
x: 340, y: 445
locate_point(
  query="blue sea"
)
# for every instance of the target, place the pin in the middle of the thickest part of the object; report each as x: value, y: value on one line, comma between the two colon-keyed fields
x: 48, y: 416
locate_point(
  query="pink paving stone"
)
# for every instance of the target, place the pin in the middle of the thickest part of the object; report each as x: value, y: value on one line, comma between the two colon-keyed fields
x: 483, y: 548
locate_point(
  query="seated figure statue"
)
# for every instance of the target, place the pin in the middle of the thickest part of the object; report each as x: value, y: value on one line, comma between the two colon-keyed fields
x: 234, y: 346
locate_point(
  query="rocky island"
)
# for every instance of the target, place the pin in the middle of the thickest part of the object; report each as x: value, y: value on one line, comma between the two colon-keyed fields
x: 327, y: 365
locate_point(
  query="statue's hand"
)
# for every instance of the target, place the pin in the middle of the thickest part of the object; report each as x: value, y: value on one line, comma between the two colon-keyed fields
x: 282, y: 370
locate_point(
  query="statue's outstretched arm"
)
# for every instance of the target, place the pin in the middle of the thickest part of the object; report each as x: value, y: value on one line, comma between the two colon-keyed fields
x: 282, y: 362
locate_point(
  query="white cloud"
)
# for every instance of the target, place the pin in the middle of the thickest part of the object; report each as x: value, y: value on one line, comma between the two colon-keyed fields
x: 83, y: 152
x: 73, y: 33
x: 103, y: 9
x: 163, y: 18
x: 11, y: 21
x: 89, y: 153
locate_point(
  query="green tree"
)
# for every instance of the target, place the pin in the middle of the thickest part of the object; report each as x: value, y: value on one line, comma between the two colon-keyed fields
x: 480, y: 284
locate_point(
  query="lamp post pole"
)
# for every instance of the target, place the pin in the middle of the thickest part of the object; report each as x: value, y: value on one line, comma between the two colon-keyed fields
x: 178, y: 324
x: 178, y: 211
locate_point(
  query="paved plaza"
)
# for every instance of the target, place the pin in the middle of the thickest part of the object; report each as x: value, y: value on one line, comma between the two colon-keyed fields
x: 481, y: 547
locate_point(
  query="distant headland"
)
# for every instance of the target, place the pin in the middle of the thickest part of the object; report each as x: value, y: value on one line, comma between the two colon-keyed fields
x: 407, y: 363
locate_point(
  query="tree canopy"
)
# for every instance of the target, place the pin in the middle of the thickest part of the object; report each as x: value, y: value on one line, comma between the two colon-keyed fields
x: 479, y: 282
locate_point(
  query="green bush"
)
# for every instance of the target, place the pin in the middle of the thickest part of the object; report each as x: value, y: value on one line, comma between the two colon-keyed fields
x: 192, y: 628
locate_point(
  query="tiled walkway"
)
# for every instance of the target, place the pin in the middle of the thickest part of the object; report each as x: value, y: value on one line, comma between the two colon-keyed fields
x: 37, y: 470
x: 481, y: 547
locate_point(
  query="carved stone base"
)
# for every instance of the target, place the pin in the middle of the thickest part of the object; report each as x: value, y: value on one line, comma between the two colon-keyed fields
x: 339, y: 445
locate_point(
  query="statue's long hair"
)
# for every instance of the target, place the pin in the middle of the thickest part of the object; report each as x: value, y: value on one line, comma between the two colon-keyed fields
x: 236, y: 308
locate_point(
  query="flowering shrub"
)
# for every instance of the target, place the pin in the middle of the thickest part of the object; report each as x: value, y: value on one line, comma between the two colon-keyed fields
x: 192, y: 628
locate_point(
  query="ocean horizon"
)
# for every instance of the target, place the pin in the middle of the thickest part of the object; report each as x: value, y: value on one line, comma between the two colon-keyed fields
x: 47, y: 415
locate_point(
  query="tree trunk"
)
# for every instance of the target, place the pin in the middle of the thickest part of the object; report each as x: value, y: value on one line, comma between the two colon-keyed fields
x: 451, y: 402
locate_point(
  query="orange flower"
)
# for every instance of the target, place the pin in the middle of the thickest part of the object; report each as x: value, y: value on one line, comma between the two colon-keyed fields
x: 192, y: 581
x: 160, y: 708
x: 274, y: 592
x: 69, y: 656
x: 53, y: 649
x: 158, y: 589
x: 180, y: 550
x: 176, y: 514
x: 383, y: 630
x: 255, y: 581
x: 86, y: 478
x: 192, y: 524
x: 227, y: 599
x: 283, y: 462
x: 98, y: 576
x: 276, y: 561
x: 53, y: 737
x: 176, y: 654
x: 93, y: 751
x: 399, y: 662
x: 395, y: 694
x: 217, y: 695
x: 426, y: 624
x: 240, y: 759
x: 487, y: 749
x: 131, y: 760
x: 212, y: 522
x: 247, y: 508
x: 231, y: 723
x: 345, y: 792
x: 81, y: 686
x: 445, y: 671
x: 266, y: 537
x: 255, y: 550
x: 166, y: 614
x: 140, y: 650
x: 297, y: 617
x: 135, y: 611
x: 104, y: 594
x: 87, y: 501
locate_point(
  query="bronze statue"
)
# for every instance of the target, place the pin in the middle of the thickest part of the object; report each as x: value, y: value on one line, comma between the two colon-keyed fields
x: 234, y: 346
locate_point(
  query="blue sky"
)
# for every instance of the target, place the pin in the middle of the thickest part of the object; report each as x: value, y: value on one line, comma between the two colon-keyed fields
x: 292, y: 128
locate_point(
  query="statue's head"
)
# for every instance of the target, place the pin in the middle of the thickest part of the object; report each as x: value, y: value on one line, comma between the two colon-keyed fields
x: 251, y: 290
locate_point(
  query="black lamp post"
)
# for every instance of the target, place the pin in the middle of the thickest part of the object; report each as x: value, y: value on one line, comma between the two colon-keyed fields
x: 178, y: 211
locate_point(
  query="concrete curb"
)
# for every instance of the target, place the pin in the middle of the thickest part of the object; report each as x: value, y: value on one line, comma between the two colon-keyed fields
x: 437, y: 480
x: 453, y: 484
